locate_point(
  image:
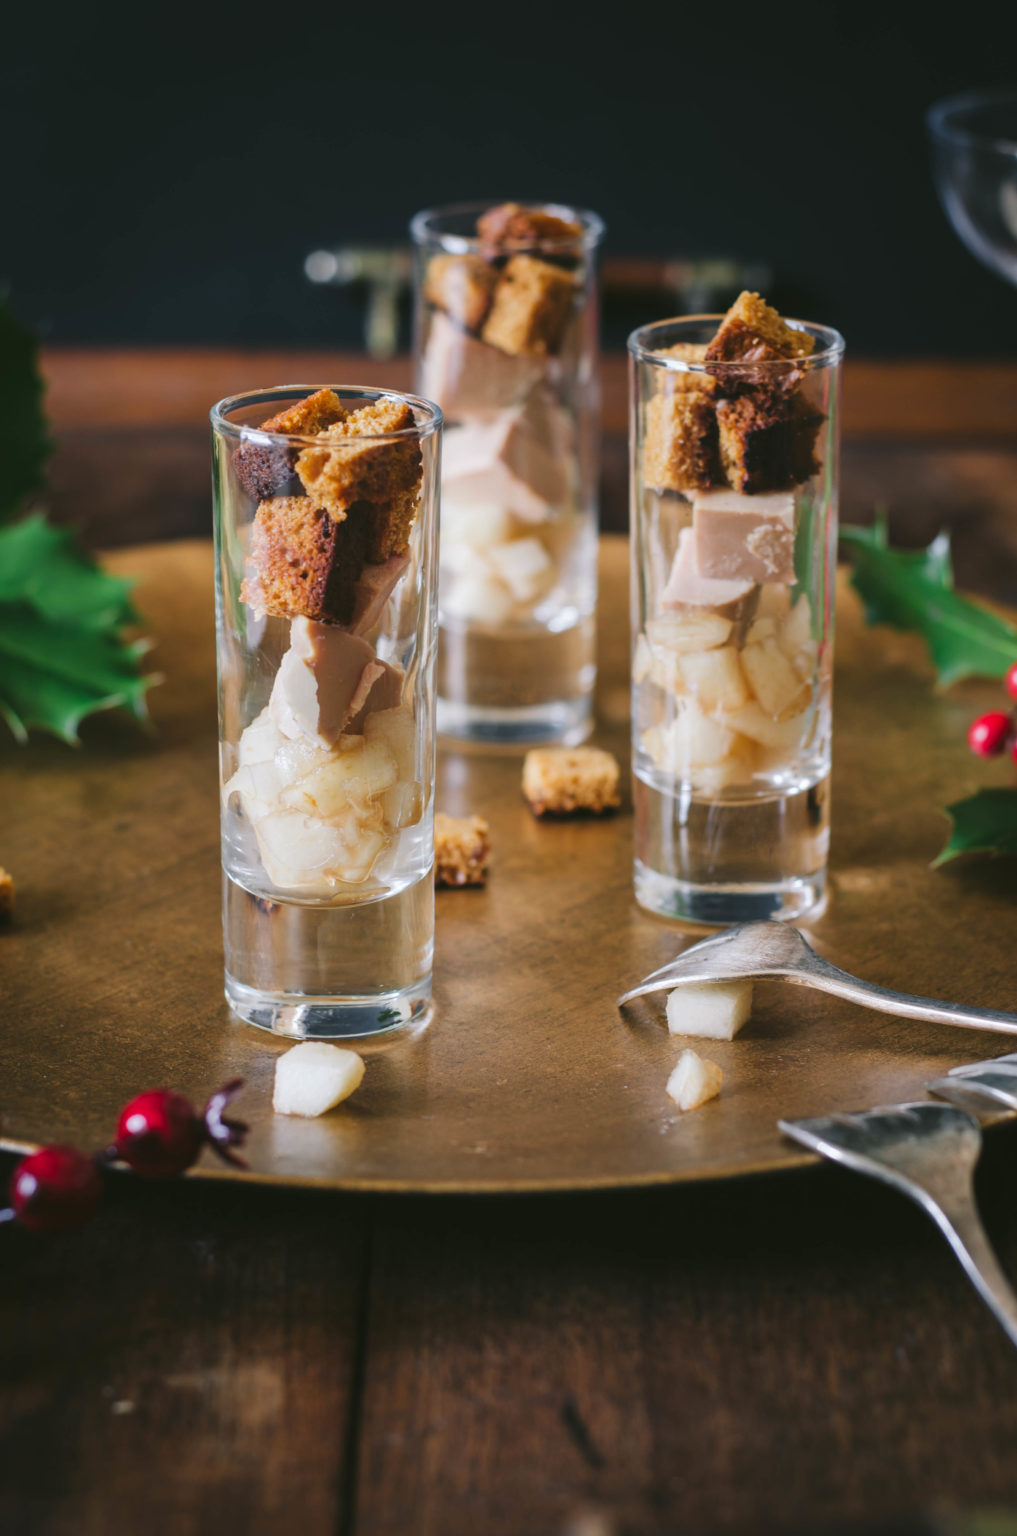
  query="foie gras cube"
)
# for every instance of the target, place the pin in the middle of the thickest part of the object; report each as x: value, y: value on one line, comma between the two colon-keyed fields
x: 745, y: 538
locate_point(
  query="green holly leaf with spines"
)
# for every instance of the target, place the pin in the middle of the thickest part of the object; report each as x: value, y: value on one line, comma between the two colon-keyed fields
x: 52, y: 675
x: 985, y: 822
x: 25, y: 443
x: 44, y: 567
x: 913, y: 590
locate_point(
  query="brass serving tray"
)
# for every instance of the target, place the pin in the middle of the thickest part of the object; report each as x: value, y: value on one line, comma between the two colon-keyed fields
x: 528, y: 1079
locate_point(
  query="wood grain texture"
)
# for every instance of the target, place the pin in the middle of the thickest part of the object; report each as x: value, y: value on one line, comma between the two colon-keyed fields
x: 178, y: 386
x: 529, y: 1078
x: 184, y: 1366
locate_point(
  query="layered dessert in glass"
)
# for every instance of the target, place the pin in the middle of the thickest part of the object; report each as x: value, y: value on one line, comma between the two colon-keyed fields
x: 734, y: 510
x: 506, y: 345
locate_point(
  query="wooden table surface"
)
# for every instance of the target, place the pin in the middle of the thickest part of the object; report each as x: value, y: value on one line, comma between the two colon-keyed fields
x: 795, y: 1353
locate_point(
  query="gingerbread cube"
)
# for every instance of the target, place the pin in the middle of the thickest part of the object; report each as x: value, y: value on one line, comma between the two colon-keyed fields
x: 356, y: 461
x: 766, y: 443
x: 462, y: 850
x: 752, y: 333
x: 531, y: 307
x: 515, y: 224
x: 571, y: 781
x: 462, y: 286
x: 680, y: 443
x: 265, y: 469
x: 305, y: 563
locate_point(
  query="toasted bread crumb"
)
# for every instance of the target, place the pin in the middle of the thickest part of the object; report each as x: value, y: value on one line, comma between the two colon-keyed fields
x: 6, y: 894
x: 571, y: 781
x: 752, y: 333
x: 531, y: 306
x: 462, y: 850
x: 305, y: 562
x: 356, y: 462
x: 516, y: 224
x: 462, y: 286
x: 309, y: 416
x: 264, y: 469
x: 766, y: 443
x: 680, y: 444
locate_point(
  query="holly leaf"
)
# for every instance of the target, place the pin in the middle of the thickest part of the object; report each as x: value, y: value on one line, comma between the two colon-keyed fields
x: 43, y: 566
x: 24, y: 436
x: 985, y: 822
x: 54, y: 674
x: 913, y: 590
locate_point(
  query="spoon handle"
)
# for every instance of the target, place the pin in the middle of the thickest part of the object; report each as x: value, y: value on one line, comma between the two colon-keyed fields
x: 829, y: 978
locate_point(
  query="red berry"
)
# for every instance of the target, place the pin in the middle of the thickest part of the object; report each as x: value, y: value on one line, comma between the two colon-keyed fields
x: 990, y: 733
x: 55, y: 1188
x: 159, y: 1134
x: 1010, y: 681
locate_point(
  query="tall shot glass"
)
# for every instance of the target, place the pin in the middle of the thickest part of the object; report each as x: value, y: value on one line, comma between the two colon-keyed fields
x: 506, y: 340
x: 734, y: 473
x: 326, y: 604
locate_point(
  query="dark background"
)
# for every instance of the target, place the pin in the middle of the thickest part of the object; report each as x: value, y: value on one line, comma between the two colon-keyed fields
x: 167, y: 171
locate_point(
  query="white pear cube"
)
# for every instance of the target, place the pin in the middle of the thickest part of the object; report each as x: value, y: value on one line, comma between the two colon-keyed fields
x: 260, y: 740
x: 732, y: 772
x: 315, y: 1077
x: 687, y: 632
x: 361, y: 854
x: 694, y: 1081
x: 472, y: 525
x: 774, y: 601
x: 525, y: 567
x: 402, y: 805
x: 753, y: 721
x: 694, y: 740
x: 394, y: 729
x: 774, y: 680
x: 298, y: 852
x: 796, y: 631
x: 715, y: 679
x: 355, y: 776
x: 477, y: 596
x: 760, y: 630
x: 642, y: 660
x: 714, y: 1010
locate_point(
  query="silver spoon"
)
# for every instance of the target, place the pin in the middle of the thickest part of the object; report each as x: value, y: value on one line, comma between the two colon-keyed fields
x: 754, y: 950
x: 928, y: 1152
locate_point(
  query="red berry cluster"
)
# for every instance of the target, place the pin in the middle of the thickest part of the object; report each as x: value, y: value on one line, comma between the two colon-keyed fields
x: 995, y: 733
x: 159, y: 1134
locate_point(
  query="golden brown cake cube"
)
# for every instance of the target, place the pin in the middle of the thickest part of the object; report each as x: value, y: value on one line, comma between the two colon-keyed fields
x: 462, y: 286
x: 690, y: 380
x: 531, y: 307
x: 571, y: 781
x: 753, y: 333
x: 305, y: 563
x: 354, y: 461
x: 515, y: 224
x: 265, y: 469
x: 462, y: 850
x: 766, y: 443
x: 680, y: 442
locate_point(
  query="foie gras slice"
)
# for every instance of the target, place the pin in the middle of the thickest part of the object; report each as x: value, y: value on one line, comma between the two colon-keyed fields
x: 465, y: 375
x: 325, y: 677
x: 688, y: 588
x: 745, y: 538
x: 502, y: 461
x: 374, y: 586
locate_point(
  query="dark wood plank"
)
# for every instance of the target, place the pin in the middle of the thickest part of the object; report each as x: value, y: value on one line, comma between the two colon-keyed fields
x: 182, y: 1367
x: 177, y: 387
x: 793, y: 1355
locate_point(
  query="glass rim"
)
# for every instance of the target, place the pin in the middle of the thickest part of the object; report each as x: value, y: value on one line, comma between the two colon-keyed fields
x: 829, y: 341
x: 423, y: 232
x: 938, y: 118
x: 433, y: 416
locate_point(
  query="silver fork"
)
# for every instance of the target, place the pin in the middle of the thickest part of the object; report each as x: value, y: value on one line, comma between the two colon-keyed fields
x: 928, y: 1152
x: 976, y: 1082
x: 754, y: 950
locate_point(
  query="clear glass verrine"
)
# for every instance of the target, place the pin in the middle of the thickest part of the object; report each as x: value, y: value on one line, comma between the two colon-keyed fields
x: 325, y: 535
x: 506, y: 343
x: 734, y: 477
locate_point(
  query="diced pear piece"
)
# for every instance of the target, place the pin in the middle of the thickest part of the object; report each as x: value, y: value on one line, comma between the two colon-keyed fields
x: 402, y: 805
x: 642, y: 660
x: 715, y: 679
x: 361, y: 854
x: 693, y: 740
x: 471, y: 525
x: 479, y: 597
x: 259, y: 741
x: 774, y: 680
x: 762, y: 629
x: 525, y: 567
x: 358, y: 775
x: 753, y: 721
x: 394, y: 729
x: 774, y: 601
x: 735, y: 769
x: 796, y: 632
x: 314, y: 1077
x: 298, y: 851
x: 713, y: 1010
x: 693, y: 1081
x: 689, y: 632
